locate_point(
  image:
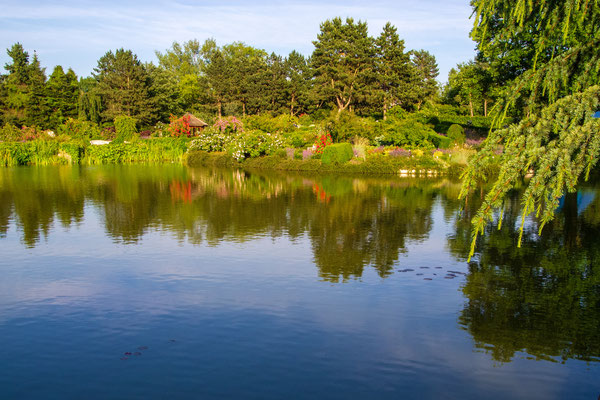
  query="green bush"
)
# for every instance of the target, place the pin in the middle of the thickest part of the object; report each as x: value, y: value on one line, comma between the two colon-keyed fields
x: 264, y: 122
x: 338, y: 153
x: 125, y: 128
x: 345, y: 126
x: 10, y: 133
x: 78, y: 129
x: 441, y: 141
x: 408, y: 132
x: 456, y: 133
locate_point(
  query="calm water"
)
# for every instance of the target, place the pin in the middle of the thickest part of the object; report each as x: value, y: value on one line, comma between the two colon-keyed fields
x: 150, y: 282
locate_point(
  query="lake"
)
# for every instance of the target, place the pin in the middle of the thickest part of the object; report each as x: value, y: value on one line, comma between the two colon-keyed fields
x: 155, y: 282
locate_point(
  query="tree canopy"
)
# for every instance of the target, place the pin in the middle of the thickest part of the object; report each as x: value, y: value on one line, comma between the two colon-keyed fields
x: 557, y: 92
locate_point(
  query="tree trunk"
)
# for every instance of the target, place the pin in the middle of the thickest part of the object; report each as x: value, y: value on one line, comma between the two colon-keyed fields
x: 485, y: 107
x: 385, y: 108
x: 470, y: 105
x: 244, y: 108
x: 292, y: 105
x: 219, y: 109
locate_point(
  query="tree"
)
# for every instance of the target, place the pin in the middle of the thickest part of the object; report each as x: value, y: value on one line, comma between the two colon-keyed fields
x: 90, y: 102
x: 164, y: 92
x: 470, y: 85
x: 217, y: 74
x: 299, y: 85
x: 395, y: 74
x: 558, y: 140
x: 62, y: 95
x: 343, y: 61
x: 16, y: 85
x: 123, y: 85
x: 427, y: 70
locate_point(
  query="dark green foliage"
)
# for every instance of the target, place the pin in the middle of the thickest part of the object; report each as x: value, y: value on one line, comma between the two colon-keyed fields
x: 125, y: 128
x: 338, y: 153
x: 394, y: 74
x: 457, y: 134
x: 345, y: 126
x: 123, y: 84
x: 343, y: 61
x: 426, y: 70
x: 405, y: 132
x: 62, y: 96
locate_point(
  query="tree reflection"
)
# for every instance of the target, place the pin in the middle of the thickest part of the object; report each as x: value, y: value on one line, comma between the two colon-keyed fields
x: 542, y: 298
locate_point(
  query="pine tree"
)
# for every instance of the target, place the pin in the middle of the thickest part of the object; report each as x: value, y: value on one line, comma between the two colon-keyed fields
x: 123, y: 85
x: 343, y: 61
x: 427, y: 70
x: 394, y: 73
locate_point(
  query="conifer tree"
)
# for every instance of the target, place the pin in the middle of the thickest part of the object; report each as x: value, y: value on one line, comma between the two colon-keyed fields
x: 123, y: 85
x: 343, y: 61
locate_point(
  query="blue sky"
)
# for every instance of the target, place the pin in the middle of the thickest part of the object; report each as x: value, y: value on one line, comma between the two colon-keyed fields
x: 77, y: 33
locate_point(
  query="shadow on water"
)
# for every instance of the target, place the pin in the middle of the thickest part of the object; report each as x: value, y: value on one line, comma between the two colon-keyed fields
x: 542, y: 299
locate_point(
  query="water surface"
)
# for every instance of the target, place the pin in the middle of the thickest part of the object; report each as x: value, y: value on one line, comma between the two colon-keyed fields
x: 167, y: 282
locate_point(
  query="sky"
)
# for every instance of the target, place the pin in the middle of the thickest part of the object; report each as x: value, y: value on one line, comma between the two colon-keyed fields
x: 76, y: 33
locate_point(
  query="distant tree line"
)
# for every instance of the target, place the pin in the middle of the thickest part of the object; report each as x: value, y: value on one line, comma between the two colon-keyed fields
x: 347, y: 71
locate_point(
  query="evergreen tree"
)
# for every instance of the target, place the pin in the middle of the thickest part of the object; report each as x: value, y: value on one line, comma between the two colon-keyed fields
x: 343, y: 61
x: 164, y: 92
x: 62, y: 93
x: 558, y: 141
x: 123, y: 85
x: 394, y: 73
x: 427, y: 70
x: 16, y: 86
x: 299, y: 82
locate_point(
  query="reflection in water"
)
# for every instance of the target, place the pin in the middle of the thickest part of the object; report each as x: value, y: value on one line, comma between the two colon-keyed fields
x: 543, y: 299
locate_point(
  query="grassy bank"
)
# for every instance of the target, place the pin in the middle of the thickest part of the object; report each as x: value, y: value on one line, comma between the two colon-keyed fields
x: 374, y: 164
x: 55, y: 152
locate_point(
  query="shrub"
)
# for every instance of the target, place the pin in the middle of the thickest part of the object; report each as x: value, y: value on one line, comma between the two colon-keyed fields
x: 407, y: 132
x: 78, y: 129
x: 10, y: 133
x: 346, y: 125
x: 307, y: 154
x: 441, y: 141
x: 229, y: 125
x: 338, y: 153
x: 399, y: 152
x: 125, y: 128
x: 322, y: 142
x: 264, y: 122
x: 456, y: 133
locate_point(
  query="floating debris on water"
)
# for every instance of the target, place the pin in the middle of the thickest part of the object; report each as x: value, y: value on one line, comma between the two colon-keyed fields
x: 419, y: 274
x: 406, y: 270
x: 127, y: 353
x: 424, y: 267
x: 137, y: 353
x: 457, y: 272
x: 143, y: 348
x: 427, y: 279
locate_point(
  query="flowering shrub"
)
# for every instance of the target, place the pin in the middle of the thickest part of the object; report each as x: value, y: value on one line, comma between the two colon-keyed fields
x: 255, y: 144
x: 377, y: 150
x: 307, y: 154
x: 399, y: 152
x: 474, y: 143
x: 323, y: 141
x: 180, y: 126
x: 240, y: 146
x: 289, y: 152
x: 208, y: 141
x: 229, y: 125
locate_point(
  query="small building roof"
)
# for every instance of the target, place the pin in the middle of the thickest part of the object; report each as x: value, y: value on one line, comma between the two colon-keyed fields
x: 195, y: 122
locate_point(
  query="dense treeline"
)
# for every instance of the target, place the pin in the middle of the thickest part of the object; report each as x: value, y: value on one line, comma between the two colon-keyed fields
x: 347, y: 71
